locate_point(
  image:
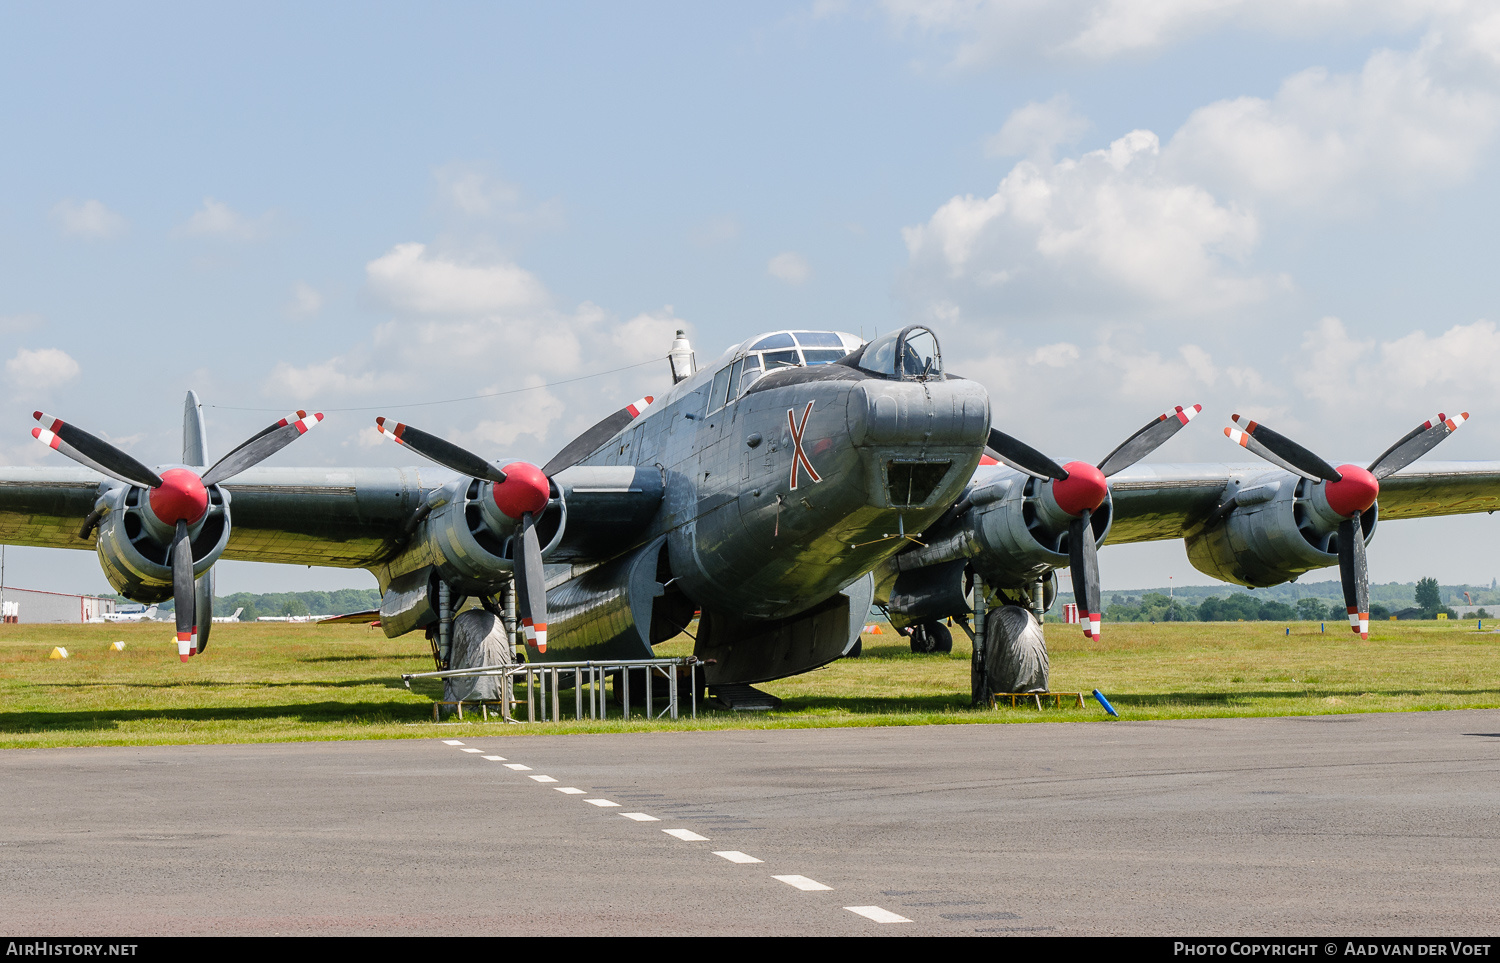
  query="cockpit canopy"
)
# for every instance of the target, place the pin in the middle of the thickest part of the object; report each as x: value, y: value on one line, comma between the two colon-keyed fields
x: 911, y: 354
x: 779, y: 349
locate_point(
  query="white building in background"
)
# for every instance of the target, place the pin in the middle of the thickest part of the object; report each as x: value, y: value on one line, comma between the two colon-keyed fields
x: 32, y: 605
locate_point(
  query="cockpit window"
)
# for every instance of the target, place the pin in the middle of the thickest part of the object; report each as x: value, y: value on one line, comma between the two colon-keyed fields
x: 819, y: 339
x: 911, y: 354
x: 779, y: 340
x: 823, y: 355
x: 782, y: 359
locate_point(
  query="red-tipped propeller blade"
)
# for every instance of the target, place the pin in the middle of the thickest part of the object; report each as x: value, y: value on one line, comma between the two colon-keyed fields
x: 531, y: 586
x: 184, y: 598
x: 1354, y: 575
x: 1281, y: 451
x: 1416, y: 443
x: 1083, y: 563
x: 445, y: 453
x: 294, y: 416
x: 262, y: 446
x: 587, y: 443
x: 92, y: 452
x: 1148, y: 439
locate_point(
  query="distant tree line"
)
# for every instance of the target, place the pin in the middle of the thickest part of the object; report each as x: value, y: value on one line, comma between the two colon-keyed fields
x: 1248, y: 607
x: 340, y: 602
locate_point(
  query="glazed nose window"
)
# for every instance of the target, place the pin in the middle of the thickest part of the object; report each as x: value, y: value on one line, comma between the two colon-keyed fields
x: 911, y: 354
x: 920, y: 356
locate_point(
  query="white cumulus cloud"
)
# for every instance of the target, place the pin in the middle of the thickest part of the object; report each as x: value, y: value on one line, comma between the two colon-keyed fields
x: 306, y: 301
x: 88, y: 218
x: 217, y: 219
x: 487, y: 335
x: 789, y: 266
x: 40, y: 369
x: 1410, y: 374
x: 1037, y: 129
x: 1094, y: 229
x: 414, y: 282
x: 1330, y: 139
x: 977, y: 32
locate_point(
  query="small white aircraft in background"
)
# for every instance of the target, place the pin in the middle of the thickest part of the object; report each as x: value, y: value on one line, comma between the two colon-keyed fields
x: 149, y: 615
x: 230, y: 618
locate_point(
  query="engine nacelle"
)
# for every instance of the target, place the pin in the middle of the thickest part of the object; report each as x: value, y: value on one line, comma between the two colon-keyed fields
x: 1013, y: 535
x: 1023, y: 533
x: 472, y: 543
x: 134, y: 545
x: 1281, y: 527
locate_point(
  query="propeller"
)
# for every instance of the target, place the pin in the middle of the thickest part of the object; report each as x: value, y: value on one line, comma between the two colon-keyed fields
x: 520, y: 491
x: 1080, y: 488
x: 1349, y: 491
x: 177, y: 496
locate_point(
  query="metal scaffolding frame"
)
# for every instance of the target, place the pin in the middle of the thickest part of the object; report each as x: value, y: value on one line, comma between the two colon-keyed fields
x: 541, y: 678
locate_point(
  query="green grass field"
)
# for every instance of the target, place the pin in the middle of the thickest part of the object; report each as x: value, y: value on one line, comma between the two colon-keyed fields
x: 281, y: 682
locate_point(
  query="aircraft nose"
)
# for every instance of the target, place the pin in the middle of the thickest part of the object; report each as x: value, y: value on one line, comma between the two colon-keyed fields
x: 920, y: 414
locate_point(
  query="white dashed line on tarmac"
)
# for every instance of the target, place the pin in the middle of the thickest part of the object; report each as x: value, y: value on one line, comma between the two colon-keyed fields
x: 735, y: 856
x: 877, y: 914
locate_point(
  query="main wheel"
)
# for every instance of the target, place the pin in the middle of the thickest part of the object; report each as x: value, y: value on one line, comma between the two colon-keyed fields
x: 1015, y: 655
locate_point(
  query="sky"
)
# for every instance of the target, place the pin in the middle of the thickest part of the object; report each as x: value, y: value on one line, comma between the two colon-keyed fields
x: 1103, y: 208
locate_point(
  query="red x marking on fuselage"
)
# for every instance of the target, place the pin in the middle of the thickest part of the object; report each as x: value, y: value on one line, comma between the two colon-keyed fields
x: 799, y: 456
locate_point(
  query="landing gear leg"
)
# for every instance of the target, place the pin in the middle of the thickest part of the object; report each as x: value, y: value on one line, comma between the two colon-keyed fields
x: 931, y: 637
x: 979, y: 686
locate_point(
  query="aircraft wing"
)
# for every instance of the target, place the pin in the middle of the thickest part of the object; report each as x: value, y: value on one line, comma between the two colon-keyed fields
x: 344, y: 518
x: 341, y: 518
x: 1154, y: 502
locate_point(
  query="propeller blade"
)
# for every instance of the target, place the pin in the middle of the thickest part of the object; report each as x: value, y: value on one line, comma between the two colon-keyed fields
x: 1281, y: 451
x: 184, y: 593
x: 1416, y: 443
x: 1355, y: 576
x: 92, y: 452
x: 445, y: 453
x: 203, y: 607
x: 258, y: 449
x: 1083, y: 563
x: 531, y: 586
x: 590, y: 441
x: 1024, y: 458
x: 1147, y: 440
x: 294, y: 416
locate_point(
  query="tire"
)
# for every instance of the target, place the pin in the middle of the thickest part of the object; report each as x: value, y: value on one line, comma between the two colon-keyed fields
x: 931, y: 637
x: 1015, y: 654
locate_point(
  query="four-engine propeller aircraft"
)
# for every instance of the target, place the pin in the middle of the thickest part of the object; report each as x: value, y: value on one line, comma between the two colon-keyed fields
x: 778, y: 492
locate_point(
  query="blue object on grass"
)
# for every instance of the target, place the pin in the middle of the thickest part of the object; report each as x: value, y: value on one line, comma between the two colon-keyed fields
x: 1105, y: 703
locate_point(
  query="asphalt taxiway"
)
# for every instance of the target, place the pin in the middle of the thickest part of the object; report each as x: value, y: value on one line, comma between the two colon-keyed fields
x: 1347, y: 824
